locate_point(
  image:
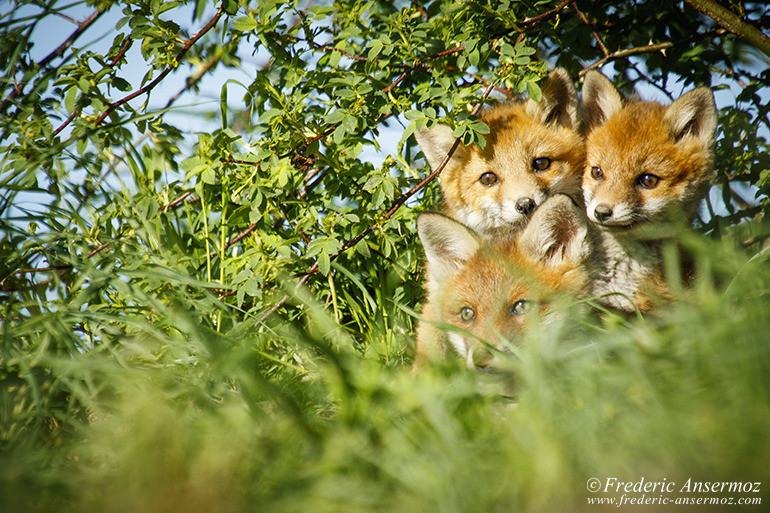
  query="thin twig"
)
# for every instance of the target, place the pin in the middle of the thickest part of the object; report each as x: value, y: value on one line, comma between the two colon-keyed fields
x: 149, y: 87
x: 59, y: 51
x: 544, y: 16
x: 126, y: 45
x: 419, y: 63
x: 340, y: 50
x: 64, y: 267
x: 648, y: 48
x: 590, y: 25
x: 176, y: 202
x: 197, y: 76
x: 627, y: 52
x: 241, y: 235
x: 650, y: 81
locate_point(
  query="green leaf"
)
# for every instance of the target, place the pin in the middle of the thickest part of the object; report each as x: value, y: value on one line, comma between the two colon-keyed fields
x: 121, y: 84
x: 533, y: 90
x: 230, y: 6
x: 245, y: 24
x: 69, y: 99
x: 335, y: 116
x: 208, y: 176
x: 324, y: 263
x: 375, y: 48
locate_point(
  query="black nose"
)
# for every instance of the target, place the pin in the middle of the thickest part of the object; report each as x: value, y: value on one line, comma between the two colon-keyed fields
x: 525, y: 205
x: 602, y: 212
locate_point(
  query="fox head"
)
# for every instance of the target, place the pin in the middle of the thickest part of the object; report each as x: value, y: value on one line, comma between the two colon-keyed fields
x: 488, y: 288
x: 644, y: 160
x: 533, y: 150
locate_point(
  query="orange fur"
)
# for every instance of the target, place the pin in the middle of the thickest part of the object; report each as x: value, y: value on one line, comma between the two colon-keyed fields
x: 533, y: 149
x: 645, y: 163
x: 630, y: 141
x: 491, y: 277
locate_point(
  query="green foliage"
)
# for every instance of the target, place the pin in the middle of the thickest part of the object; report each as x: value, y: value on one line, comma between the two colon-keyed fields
x: 209, y: 306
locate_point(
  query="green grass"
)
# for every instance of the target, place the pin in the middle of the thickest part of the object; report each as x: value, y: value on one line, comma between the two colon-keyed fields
x: 304, y: 417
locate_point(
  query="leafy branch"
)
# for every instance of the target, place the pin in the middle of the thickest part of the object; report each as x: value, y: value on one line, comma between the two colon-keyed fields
x: 150, y: 86
x: 18, y: 89
x: 346, y: 245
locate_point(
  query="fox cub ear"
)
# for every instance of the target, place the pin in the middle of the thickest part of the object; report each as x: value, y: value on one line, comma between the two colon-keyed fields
x: 436, y: 143
x: 447, y: 243
x: 557, y: 233
x: 693, y: 114
x: 601, y: 100
x: 559, y: 103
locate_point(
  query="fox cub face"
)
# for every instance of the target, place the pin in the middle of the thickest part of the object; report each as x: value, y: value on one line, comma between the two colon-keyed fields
x: 489, y: 287
x: 533, y: 151
x: 644, y: 160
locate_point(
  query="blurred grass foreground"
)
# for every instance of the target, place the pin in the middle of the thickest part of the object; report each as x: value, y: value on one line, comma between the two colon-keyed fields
x: 187, y: 419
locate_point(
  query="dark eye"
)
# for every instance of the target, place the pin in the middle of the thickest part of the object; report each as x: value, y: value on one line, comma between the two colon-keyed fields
x: 541, y: 164
x: 488, y: 179
x: 648, y: 181
x: 597, y: 173
x: 521, y: 307
x: 467, y: 314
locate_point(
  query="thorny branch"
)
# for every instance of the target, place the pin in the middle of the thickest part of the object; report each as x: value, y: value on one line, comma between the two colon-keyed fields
x: 648, y: 48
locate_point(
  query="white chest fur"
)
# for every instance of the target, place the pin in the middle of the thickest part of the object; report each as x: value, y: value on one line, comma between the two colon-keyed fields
x: 622, y: 267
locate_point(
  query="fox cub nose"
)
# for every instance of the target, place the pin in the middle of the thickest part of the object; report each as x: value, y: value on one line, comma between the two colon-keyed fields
x: 482, y: 358
x: 602, y: 212
x: 525, y: 205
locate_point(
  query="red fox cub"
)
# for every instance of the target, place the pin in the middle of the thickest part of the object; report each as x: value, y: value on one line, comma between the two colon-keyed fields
x: 484, y: 289
x: 644, y: 163
x: 533, y: 151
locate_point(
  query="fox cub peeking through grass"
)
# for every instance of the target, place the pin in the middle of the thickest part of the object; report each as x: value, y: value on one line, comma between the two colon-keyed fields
x: 533, y: 150
x: 485, y: 288
x: 645, y: 163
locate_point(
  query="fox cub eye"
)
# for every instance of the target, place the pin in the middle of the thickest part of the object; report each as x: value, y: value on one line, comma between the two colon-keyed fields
x: 467, y: 314
x: 648, y: 180
x: 488, y: 179
x: 541, y: 163
x: 521, y: 307
x: 597, y: 173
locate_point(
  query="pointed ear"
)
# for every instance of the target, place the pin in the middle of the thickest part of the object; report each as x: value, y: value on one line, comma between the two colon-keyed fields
x: 435, y: 144
x: 447, y: 243
x: 557, y: 233
x: 693, y: 114
x: 601, y: 100
x: 559, y: 103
